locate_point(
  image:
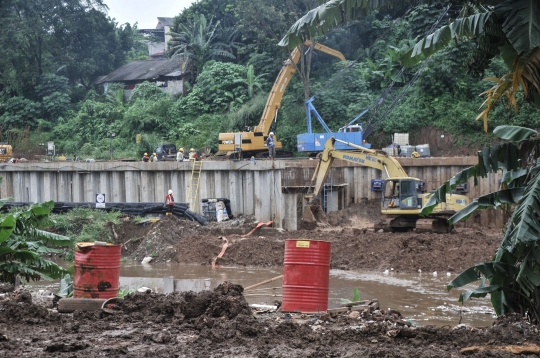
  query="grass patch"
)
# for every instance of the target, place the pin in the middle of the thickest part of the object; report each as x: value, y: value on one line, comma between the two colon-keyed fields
x: 85, y: 225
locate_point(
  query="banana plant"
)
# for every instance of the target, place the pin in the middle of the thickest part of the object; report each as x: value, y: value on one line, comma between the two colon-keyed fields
x: 23, y: 241
x: 251, y: 81
x: 514, y: 271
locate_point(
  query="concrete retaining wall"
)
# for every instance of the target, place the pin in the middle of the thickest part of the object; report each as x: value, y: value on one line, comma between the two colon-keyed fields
x: 269, y: 193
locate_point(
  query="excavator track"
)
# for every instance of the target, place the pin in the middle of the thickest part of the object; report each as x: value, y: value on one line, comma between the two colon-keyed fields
x: 404, y: 224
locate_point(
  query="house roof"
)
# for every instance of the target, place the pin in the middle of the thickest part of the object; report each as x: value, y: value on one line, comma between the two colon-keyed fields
x: 165, y: 21
x: 143, y: 70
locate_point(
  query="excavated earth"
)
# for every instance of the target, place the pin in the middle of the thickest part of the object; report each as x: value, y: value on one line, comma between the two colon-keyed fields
x: 355, y: 244
x: 220, y: 323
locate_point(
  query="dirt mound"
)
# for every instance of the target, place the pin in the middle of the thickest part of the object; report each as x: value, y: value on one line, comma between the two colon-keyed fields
x: 18, y: 306
x: 219, y: 324
x: 158, y: 240
x: 363, y: 214
x: 225, y: 301
x: 353, y: 249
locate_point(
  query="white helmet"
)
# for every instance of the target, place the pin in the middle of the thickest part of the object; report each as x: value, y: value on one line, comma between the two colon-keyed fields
x: 271, y: 133
x: 170, y: 191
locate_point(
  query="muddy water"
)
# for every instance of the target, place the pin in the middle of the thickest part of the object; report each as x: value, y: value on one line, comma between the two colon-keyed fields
x: 421, y: 298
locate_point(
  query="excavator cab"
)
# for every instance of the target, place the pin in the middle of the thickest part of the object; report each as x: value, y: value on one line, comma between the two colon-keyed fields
x: 402, y: 193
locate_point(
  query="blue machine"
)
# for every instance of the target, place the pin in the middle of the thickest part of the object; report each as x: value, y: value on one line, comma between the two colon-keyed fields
x: 314, y: 142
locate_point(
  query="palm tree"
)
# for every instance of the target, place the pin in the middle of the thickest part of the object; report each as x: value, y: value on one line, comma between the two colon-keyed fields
x: 198, y: 42
x: 508, y: 28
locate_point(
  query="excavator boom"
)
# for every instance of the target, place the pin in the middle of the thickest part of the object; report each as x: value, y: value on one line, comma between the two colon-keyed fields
x: 365, y: 157
x: 253, y: 140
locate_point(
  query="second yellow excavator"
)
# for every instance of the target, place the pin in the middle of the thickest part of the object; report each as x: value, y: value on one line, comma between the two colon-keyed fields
x: 253, y: 139
x: 402, y: 195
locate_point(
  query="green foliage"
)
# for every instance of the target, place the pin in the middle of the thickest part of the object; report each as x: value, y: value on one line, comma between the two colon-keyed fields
x: 221, y: 83
x: 23, y: 240
x: 85, y: 225
x: 355, y: 297
x: 514, y: 279
x: 20, y: 112
x: 49, y: 86
x: 122, y: 292
x: 199, y: 41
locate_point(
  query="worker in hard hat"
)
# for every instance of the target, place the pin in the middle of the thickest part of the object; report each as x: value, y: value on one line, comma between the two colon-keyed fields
x: 192, y: 154
x: 180, y: 155
x: 154, y: 158
x: 271, y: 144
x: 145, y: 158
x: 169, y: 202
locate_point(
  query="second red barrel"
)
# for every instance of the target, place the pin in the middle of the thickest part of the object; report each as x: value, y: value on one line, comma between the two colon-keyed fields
x: 306, y: 276
x: 96, y: 272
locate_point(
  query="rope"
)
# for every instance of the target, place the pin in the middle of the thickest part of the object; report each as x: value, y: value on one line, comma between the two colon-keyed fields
x: 381, y: 99
x: 346, y: 68
x: 410, y: 83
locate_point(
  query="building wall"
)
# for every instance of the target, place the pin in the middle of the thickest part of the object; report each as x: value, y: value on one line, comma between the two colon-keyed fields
x: 174, y: 87
x: 156, y: 47
x: 167, y: 35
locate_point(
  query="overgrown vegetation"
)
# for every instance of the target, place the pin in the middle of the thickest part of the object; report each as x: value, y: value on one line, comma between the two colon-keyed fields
x: 512, y: 277
x: 233, y: 71
x: 85, y: 225
x: 23, y: 241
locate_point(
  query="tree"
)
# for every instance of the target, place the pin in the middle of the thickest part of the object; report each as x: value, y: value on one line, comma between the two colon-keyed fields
x: 23, y: 240
x: 88, y: 44
x: 507, y: 28
x: 41, y: 36
x: 197, y: 43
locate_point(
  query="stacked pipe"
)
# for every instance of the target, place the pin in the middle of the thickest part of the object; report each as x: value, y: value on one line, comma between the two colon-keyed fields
x: 135, y: 209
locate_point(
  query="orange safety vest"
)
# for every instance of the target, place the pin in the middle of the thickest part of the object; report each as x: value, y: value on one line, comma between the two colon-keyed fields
x: 170, y: 199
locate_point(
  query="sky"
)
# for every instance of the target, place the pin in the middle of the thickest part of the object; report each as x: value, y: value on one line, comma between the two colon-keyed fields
x: 144, y: 12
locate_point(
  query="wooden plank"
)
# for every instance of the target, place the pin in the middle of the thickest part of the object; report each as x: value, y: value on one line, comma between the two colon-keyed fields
x: 360, y: 308
x: 334, y: 311
x: 262, y: 283
x: 526, y: 349
x: 356, y: 303
x: 69, y: 305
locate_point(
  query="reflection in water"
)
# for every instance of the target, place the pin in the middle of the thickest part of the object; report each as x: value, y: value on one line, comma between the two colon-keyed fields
x: 421, y: 298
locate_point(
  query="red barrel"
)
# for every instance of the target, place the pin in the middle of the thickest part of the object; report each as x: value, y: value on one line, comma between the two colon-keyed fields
x: 96, y: 272
x: 306, y: 275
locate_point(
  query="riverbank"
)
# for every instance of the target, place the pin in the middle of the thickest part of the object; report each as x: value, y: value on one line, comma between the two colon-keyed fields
x: 220, y: 323
x: 357, y: 248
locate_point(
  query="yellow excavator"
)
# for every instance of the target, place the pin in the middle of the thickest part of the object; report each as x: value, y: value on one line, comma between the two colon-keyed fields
x: 402, y: 195
x: 253, y: 139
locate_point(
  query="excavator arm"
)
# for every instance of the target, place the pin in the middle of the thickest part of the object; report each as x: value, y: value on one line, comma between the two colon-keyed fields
x: 282, y: 81
x: 365, y: 157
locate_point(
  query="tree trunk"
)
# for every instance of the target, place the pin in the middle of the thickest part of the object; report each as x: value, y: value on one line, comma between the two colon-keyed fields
x: 306, y: 53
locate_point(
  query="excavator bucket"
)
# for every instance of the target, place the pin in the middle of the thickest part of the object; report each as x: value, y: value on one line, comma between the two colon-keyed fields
x: 313, y: 213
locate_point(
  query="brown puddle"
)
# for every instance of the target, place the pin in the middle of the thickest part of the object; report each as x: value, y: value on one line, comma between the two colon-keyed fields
x: 421, y: 298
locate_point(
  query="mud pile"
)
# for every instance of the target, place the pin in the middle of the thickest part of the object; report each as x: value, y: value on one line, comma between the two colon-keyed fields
x: 18, y: 307
x: 225, y: 301
x: 357, y: 249
x: 219, y: 324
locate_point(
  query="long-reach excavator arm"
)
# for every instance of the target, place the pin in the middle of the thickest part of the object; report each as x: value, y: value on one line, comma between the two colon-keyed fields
x: 287, y: 71
x: 253, y: 139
